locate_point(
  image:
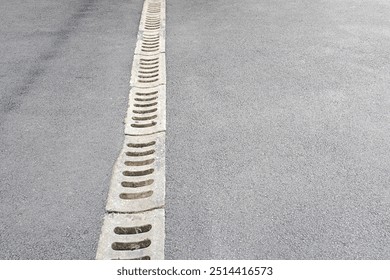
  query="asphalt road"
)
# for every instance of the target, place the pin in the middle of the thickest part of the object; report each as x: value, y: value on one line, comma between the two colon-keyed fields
x: 277, y: 114
x: 64, y: 79
x: 278, y: 133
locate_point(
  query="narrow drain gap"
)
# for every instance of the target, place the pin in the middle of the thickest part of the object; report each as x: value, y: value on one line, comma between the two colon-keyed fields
x: 136, y: 212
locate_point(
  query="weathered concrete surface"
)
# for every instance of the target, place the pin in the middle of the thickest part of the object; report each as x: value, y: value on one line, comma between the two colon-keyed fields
x: 278, y: 129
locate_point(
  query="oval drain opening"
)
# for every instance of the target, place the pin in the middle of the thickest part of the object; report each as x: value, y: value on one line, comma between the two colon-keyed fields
x: 147, y: 76
x: 149, y: 68
x: 144, y: 118
x: 146, y: 99
x: 148, y: 72
x: 139, y: 163
x: 132, y: 230
x: 131, y: 196
x: 145, y: 105
x: 148, y: 81
x: 138, y: 173
x: 141, y: 145
x: 149, y: 50
x: 146, y: 93
x: 149, y: 63
x: 140, y: 154
x: 136, y: 259
x: 136, y: 125
x: 149, y: 59
x: 144, y: 111
x: 130, y: 246
x: 150, y: 41
x: 137, y: 184
x: 150, y: 45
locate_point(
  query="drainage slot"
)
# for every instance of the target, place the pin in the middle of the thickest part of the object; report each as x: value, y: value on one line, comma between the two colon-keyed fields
x: 151, y: 40
x: 138, y: 173
x: 144, y: 118
x: 141, y: 258
x: 140, y: 145
x: 139, y: 163
x: 145, y: 105
x: 132, y: 230
x: 140, y: 154
x: 150, y: 44
x: 150, y: 36
x: 136, y: 259
x: 147, y: 76
x: 148, y: 68
x: 146, y: 93
x: 146, y: 99
x: 145, y: 111
x: 149, y: 50
x: 149, y: 59
x: 148, y: 81
x: 137, y: 184
x: 136, y: 125
x: 149, y: 63
x: 148, y: 72
x: 130, y: 246
x: 136, y: 195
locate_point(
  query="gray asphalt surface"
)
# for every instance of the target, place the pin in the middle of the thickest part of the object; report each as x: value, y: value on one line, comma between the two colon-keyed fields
x: 64, y: 79
x: 278, y: 129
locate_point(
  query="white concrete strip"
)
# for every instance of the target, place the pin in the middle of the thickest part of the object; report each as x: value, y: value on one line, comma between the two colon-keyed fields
x: 134, y: 223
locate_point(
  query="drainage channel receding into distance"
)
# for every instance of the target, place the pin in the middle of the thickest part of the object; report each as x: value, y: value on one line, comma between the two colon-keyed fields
x: 133, y: 227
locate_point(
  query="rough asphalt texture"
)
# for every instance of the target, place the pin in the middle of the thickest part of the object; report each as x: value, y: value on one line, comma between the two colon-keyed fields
x: 64, y: 79
x: 278, y: 129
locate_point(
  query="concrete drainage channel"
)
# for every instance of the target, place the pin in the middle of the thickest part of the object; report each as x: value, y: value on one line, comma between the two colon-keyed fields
x: 133, y: 226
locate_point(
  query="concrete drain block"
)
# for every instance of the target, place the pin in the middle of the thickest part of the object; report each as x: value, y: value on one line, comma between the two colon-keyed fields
x: 138, y: 180
x: 153, y: 16
x: 148, y: 71
x: 132, y: 236
x: 146, y: 112
x: 150, y: 43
